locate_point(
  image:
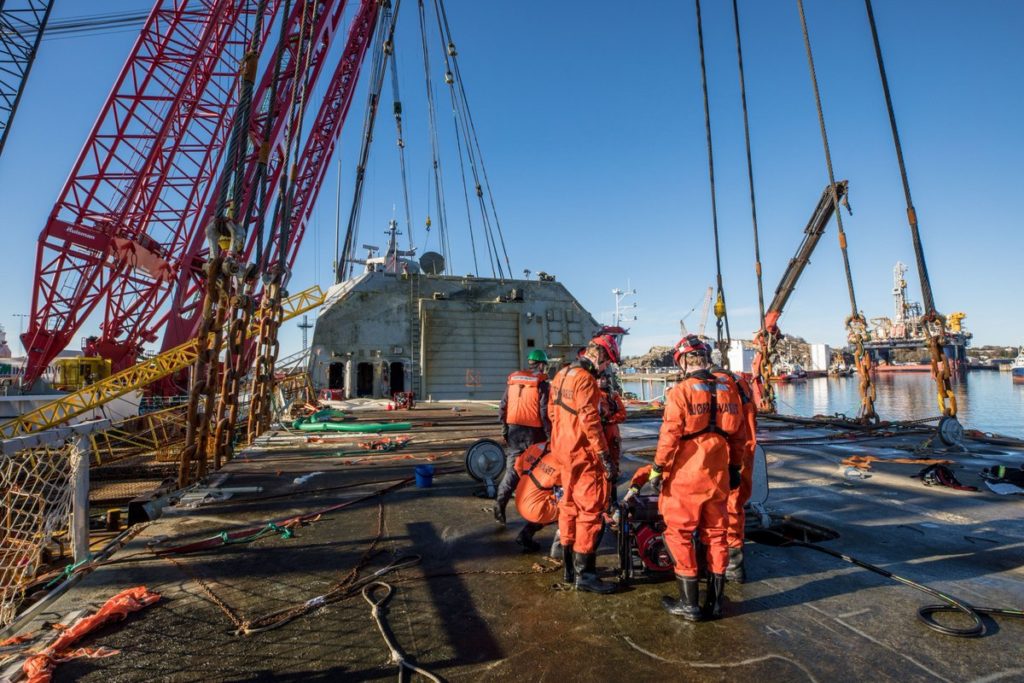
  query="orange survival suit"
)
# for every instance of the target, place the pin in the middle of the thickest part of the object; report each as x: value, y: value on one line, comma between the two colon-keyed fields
x: 703, y: 432
x: 538, y: 477
x: 577, y: 442
x: 739, y: 496
x: 613, y: 413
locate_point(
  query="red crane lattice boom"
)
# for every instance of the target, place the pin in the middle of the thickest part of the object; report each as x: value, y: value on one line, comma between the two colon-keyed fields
x: 184, y: 315
x: 135, y: 303
x: 149, y: 145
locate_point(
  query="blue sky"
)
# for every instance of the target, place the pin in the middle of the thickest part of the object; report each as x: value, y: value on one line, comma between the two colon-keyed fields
x: 591, y: 122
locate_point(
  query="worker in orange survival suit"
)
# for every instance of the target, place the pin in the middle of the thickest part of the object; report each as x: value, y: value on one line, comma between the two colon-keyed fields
x: 536, y: 501
x: 613, y: 413
x: 739, y: 496
x: 697, y: 462
x: 523, y: 413
x: 581, y: 452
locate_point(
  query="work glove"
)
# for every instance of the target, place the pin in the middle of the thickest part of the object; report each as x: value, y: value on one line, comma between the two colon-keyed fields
x: 609, y: 467
x: 632, y: 493
x: 734, y: 477
x: 504, y: 432
x: 656, y: 480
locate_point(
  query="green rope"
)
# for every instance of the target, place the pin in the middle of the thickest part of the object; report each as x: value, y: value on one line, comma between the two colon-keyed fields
x: 271, y: 528
x: 69, y: 570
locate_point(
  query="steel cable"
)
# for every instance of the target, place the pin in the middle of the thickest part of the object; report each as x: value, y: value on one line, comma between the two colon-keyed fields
x: 401, y: 146
x: 935, y: 322
x: 435, y: 155
x: 855, y: 323
x: 721, y: 314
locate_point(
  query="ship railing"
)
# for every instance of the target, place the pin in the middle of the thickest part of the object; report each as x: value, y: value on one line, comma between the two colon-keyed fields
x: 44, y: 486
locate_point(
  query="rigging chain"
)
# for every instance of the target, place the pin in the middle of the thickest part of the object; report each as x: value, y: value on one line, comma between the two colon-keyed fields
x: 224, y: 236
x: 276, y: 275
x: 935, y: 323
x: 721, y: 316
x: 856, y: 325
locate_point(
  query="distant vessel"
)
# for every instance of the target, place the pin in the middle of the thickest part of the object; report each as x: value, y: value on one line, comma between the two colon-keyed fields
x: 1017, y: 369
x: 789, y: 371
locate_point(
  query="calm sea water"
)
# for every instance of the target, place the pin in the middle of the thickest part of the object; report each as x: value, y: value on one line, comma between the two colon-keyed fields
x: 986, y: 400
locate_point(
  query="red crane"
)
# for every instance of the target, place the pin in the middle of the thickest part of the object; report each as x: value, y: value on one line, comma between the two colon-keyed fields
x: 134, y: 304
x: 183, y: 317
x: 156, y: 142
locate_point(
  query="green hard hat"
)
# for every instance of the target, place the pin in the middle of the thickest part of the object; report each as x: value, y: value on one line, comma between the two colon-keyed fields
x: 537, y: 356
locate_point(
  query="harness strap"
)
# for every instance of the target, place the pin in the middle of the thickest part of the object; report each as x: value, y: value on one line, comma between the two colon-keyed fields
x: 537, y: 483
x: 529, y: 473
x: 558, y: 398
x: 712, y: 426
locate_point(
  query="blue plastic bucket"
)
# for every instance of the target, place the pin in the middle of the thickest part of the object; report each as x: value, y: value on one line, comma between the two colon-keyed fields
x: 424, y: 476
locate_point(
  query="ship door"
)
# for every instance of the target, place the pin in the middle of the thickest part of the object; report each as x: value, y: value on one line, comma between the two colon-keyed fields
x: 336, y: 376
x: 364, y: 380
x: 397, y: 378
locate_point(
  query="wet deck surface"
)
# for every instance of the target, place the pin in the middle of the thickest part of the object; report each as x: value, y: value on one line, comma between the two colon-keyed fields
x: 476, y: 608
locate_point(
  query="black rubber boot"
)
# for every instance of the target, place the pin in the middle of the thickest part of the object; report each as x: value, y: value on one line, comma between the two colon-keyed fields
x: 586, y: 574
x: 735, y: 571
x: 525, y: 537
x: 687, y: 605
x: 714, y: 596
x: 556, y: 547
x: 568, y: 570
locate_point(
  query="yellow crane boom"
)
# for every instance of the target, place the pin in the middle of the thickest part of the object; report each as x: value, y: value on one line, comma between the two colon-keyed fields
x: 136, y: 377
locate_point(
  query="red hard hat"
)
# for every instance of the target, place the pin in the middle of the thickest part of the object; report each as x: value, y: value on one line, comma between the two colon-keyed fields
x: 691, y: 343
x: 608, y: 343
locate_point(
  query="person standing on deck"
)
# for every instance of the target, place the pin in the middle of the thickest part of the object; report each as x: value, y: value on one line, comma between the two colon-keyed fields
x: 613, y: 413
x: 697, y: 462
x: 523, y: 413
x: 738, y: 497
x: 581, y: 452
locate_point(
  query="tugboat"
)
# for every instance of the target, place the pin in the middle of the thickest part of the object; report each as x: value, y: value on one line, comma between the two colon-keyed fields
x: 789, y: 371
x: 1017, y: 369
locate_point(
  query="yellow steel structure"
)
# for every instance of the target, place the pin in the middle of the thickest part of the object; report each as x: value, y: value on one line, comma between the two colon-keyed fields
x: 139, y: 375
x: 76, y: 373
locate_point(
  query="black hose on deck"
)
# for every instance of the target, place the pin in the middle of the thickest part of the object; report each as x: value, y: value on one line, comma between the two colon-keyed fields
x: 924, y: 614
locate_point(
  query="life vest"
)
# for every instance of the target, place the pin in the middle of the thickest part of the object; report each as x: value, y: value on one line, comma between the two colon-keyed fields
x: 524, y: 398
x: 722, y: 411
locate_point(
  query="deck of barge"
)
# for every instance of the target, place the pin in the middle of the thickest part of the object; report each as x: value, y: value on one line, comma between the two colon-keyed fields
x: 476, y: 608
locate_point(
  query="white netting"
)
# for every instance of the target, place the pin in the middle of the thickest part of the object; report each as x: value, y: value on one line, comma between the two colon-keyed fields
x: 35, y: 506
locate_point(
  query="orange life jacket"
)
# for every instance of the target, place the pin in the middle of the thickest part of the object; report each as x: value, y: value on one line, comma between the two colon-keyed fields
x: 524, y: 398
